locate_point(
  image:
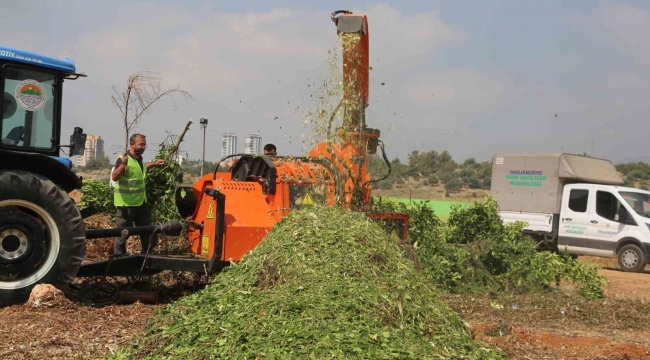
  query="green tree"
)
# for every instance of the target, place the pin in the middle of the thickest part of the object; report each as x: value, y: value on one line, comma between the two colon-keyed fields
x: 484, y: 170
x: 422, y: 164
x: 473, y: 182
x: 433, y: 180
x: 445, y: 177
x: 487, y: 182
x: 469, y: 163
x: 637, y: 175
x: 447, y: 163
x: 98, y: 164
x: 454, y: 184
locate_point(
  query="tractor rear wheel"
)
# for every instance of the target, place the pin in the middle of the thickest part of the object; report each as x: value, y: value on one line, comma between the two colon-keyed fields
x: 42, y: 235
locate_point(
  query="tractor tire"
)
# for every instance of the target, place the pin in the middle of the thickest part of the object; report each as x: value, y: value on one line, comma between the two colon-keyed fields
x: 631, y: 258
x: 42, y: 235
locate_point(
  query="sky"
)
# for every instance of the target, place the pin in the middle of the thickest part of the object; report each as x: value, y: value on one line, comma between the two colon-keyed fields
x: 473, y: 78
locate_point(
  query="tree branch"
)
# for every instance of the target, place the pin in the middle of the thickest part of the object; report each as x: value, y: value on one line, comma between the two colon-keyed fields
x: 142, y: 94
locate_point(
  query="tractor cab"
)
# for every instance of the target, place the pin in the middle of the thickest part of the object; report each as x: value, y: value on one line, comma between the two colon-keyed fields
x: 32, y: 88
x: 42, y: 235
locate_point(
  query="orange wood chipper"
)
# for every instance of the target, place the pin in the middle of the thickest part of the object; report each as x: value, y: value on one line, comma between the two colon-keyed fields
x: 229, y: 213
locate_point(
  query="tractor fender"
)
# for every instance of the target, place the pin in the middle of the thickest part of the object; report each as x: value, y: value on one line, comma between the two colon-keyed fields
x: 42, y: 165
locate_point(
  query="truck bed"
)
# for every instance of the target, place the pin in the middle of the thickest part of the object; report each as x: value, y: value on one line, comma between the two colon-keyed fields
x: 541, y: 222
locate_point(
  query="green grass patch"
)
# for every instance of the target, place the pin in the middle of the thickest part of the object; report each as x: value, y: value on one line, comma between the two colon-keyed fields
x: 441, y: 208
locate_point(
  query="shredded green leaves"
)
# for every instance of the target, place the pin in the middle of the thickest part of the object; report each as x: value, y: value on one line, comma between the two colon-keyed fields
x: 325, y: 283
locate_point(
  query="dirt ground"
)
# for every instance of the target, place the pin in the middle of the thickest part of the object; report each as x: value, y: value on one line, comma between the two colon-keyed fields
x: 554, y: 325
x: 558, y: 325
x: 562, y: 325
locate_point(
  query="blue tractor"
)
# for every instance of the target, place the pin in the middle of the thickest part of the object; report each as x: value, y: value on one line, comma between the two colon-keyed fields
x: 42, y: 235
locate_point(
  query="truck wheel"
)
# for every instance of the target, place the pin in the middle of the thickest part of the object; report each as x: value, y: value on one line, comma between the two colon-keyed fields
x: 42, y: 235
x: 631, y: 258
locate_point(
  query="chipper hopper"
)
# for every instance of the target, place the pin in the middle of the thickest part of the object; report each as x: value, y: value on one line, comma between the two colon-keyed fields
x: 225, y: 214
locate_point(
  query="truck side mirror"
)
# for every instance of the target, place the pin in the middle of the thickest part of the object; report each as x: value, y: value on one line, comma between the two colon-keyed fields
x: 630, y: 221
x: 77, y: 142
x: 624, y: 217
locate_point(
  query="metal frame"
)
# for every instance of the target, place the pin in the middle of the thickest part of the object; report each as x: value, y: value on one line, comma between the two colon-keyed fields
x: 135, y: 265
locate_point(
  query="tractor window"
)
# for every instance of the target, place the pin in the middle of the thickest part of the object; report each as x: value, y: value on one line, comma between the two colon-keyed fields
x: 28, y: 108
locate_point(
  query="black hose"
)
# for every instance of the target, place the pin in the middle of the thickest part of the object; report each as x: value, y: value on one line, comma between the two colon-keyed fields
x: 173, y: 227
x: 385, y: 176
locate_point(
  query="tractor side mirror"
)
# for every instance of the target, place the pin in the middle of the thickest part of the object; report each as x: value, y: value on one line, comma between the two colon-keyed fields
x: 77, y: 142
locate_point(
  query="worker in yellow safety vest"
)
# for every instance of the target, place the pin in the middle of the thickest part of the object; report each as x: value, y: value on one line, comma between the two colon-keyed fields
x: 129, y: 193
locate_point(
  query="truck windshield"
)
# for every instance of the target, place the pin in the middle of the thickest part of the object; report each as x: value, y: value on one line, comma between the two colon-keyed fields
x: 28, y: 108
x: 640, y: 202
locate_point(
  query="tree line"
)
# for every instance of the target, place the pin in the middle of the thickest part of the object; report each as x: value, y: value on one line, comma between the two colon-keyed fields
x: 434, y: 168
x: 636, y: 174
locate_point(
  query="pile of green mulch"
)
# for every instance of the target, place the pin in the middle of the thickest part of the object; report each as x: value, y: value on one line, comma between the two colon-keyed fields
x: 325, y: 283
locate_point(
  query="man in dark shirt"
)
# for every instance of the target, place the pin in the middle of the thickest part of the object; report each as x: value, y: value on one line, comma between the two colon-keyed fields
x: 130, y: 193
x: 270, y: 150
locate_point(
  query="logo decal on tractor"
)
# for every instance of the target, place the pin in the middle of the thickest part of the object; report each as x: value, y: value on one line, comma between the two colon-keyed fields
x: 210, y: 214
x: 30, y: 95
x: 307, y: 200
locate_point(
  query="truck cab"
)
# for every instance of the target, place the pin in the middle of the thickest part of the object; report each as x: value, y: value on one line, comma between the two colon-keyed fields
x: 607, y: 221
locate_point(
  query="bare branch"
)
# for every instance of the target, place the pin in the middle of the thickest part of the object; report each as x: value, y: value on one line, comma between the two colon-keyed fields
x: 114, y: 100
x: 143, y: 93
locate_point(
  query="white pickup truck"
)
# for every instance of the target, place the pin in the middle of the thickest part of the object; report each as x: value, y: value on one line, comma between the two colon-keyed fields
x: 574, y: 203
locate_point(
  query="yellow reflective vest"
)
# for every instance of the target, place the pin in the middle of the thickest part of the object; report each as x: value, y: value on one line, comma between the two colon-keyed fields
x: 130, y: 189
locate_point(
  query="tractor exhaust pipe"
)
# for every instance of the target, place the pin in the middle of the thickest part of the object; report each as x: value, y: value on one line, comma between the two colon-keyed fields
x: 172, y: 228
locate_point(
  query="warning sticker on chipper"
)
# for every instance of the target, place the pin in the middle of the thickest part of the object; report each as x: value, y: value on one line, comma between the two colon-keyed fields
x: 210, y: 214
x: 205, y: 244
x: 307, y: 200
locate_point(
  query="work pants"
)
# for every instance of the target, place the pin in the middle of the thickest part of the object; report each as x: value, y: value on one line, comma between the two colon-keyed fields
x: 134, y: 216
